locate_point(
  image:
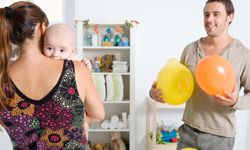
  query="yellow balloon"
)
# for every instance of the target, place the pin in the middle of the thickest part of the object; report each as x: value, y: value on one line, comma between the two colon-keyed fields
x: 176, y: 82
x: 188, y: 149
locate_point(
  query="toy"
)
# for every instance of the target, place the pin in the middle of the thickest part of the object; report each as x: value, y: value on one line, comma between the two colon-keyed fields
x: 167, y: 134
x: 116, y: 142
x: 96, y: 63
x: 106, y: 147
x: 215, y: 75
x: 101, y: 147
x: 175, y: 82
x: 117, y: 40
x: 106, y: 62
x: 108, y: 39
x: 98, y: 147
x: 159, y: 139
x: 125, y: 41
x: 189, y: 148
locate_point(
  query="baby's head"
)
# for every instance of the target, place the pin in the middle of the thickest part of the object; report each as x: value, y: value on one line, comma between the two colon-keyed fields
x: 59, y: 42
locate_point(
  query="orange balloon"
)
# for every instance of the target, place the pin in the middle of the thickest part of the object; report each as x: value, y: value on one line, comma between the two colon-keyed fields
x: 215, y: 75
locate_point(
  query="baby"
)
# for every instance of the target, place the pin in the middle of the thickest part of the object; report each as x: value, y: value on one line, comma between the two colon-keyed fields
x: 59, y: 43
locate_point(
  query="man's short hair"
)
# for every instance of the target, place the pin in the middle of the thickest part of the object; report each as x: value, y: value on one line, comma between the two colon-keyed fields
x: 227, y: 3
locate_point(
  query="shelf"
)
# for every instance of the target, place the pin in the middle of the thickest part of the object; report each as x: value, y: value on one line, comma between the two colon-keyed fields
x: 170, y: 146
x: 103, y: 22
x: 121, y: 53
x: 109, y: 130
x: 116, y: 102
x: 159, y: 105
x: 110, y: 73
x: 106, y: 47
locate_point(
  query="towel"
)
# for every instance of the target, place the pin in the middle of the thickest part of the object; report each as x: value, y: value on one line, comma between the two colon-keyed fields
x: 118, y: 87
x: 120, y: 62
x: 114, y: 88
x: 120, y: 66
x: 109, y: 87
x: 99, y: 82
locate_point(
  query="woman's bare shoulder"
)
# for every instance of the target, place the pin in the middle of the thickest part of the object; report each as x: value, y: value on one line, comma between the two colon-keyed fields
x: 80, y: 68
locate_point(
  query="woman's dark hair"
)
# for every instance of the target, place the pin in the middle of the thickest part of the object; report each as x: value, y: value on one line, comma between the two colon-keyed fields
x: 17, y: 23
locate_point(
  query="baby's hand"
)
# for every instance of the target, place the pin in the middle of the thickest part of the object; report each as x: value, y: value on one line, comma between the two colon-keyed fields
x: 86, y: 126
x: 87, y: 63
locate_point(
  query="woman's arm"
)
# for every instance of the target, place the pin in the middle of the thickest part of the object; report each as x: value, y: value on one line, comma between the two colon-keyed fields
x: 88, y: 93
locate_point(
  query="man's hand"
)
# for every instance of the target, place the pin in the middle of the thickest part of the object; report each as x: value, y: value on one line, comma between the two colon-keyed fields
x: 155, y: 93
x: 230, y: 99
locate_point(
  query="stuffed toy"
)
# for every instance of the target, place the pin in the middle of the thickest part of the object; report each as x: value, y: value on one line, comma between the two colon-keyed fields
x: 106, y: 62
x: 106, y: 147
x: 98, y: 147
x: 116, y: 141
x: 101, y: 147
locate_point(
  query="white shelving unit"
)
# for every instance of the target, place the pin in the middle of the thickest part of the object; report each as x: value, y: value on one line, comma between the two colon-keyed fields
x: 97, y: 135
x: 151, y: 125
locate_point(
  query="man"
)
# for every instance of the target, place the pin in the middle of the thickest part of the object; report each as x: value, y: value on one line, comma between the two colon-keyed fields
x: 209, y: 121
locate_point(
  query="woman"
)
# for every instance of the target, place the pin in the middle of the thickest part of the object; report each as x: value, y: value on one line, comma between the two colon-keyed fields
x: 42, y: 100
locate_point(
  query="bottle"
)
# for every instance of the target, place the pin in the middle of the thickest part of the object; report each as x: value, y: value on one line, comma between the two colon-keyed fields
x: 117, y: 40
x: 88, y: 39
x: 125, y: 120
x: 94, y: 39
x: 99, y: 39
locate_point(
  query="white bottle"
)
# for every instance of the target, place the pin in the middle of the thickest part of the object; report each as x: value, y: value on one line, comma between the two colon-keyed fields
x: 94, y: 39
x: 125, y: 120
x: 99, y: 39
x: 128, y: 121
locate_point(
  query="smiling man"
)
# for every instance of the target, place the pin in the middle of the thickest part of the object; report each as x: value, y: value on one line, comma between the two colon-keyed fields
x: 209, y: 121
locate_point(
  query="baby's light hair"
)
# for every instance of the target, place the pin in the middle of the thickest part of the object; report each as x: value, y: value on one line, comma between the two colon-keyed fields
x: 61, y: 30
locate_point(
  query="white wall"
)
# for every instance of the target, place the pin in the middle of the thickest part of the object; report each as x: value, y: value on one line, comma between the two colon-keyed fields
x: 166, y: 26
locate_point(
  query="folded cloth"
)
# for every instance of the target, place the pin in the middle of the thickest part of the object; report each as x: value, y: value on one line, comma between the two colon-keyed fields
x: 120, y: 62
x: 110, y: 88
x: 114, y: 87
x: 120, y: 70
x: 99, y: 82
x: 118, y: 87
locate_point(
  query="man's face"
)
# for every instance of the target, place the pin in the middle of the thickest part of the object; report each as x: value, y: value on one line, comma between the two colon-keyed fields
x: 216, y: 20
